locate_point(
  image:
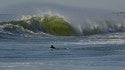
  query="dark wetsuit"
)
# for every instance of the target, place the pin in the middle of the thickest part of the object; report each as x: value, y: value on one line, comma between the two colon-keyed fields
x: 52, y: 47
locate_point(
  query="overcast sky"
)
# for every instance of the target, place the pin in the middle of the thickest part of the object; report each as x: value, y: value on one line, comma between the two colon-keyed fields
x: 99, y: 4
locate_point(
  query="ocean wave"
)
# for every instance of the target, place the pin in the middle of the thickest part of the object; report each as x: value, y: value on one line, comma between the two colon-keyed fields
x: 30, y: 25
x: 47, y: 24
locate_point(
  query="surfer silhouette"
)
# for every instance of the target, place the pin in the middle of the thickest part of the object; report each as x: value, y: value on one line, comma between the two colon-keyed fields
x: 52, y: 47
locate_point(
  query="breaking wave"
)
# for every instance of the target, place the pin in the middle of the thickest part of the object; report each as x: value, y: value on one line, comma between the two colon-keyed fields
x: 31, y: 25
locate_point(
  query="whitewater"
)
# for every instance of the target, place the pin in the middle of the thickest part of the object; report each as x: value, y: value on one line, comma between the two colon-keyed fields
x: 99, y: 42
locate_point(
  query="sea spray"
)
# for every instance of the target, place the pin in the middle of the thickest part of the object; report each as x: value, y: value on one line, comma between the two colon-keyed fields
x: 91, y: 26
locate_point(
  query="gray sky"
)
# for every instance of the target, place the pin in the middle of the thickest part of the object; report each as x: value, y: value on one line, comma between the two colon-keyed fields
x: 100, y: 4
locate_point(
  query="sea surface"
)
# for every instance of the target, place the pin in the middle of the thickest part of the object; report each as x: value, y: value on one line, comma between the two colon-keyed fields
x: 94, y: 52
x: 23, y: 49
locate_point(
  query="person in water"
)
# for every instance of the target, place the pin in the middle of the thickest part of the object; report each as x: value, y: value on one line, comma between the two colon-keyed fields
x: 52, y: 47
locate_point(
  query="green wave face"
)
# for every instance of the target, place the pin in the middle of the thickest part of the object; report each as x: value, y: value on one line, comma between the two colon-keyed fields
x: 57, y: 26
x: 53, y: 25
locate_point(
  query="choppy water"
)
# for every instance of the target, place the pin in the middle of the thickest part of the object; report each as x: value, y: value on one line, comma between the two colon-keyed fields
x: 97, y: 52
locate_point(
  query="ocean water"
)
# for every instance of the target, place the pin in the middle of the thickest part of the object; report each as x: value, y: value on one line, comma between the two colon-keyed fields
x: 23, y: 49
x: 94, y: 52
